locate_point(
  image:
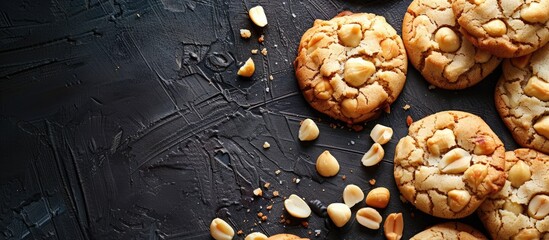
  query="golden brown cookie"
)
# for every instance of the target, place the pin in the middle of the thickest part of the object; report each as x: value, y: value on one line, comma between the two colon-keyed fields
x: 449, y: 163
x: 351, y: 67
x: 520, y: 210
x: 438, y: 50
x: 505, y: 28
x: 285, y: 236
x: 449, y: 231
x: 522, y: 99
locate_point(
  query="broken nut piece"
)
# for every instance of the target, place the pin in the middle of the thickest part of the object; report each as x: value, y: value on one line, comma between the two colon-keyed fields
x: 393, y: 226
x: 542, y: 126
x: 369, y: 217
x: 456, y: 160
x: 350, y: 34
x: 327, y: 165
x: 339, y: 213
x: 357, y: 71
x: 257, y: 14
x: 381, y: 134
x: 447, y: 39
x: 527, y: 234
x: 221, y: 230
x: 538, y: 207
x: 441, y: 141
x: 475, y: 175
x: 373, y: 156
x: 248, y: 69
x: 352, y: 195
x: 378, y: 197
x: 308, y: 131
x: 519, y: 174
x: 256, y: 236
x: 245, y: 33
x: 495, y: 28
x: 513, y: 207
x: 535, y: 13
x: 258, y: 192
x: 458, y: 199
x: 297, y: 207
x: 537, y: 88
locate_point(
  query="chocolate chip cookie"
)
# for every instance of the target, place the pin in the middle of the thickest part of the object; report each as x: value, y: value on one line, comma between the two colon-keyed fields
x: 449, y: 163
x: 521, y: 209
x: 450, y: 231
x: 505, y: 28
x: 351, y: 67
x: 438, y: 50
x: 522, y: 99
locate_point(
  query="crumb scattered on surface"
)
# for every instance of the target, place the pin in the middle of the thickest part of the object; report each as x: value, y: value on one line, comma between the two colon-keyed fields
x: 245, y: 33
x: 240, y: 232
x: 406, y: 107
x: 267, y: 185
x: 277, y: 172
x: 255, y: 51
x: 275, y: 193
x: 261, y: 38
x: 266, y: 145
x: 343, y: 177
x: 372, y: 181
x: 271, y: 77
x: 264, y: 51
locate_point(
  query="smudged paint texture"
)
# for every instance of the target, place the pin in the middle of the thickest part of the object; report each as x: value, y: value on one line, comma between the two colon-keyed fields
x: 125, y: 120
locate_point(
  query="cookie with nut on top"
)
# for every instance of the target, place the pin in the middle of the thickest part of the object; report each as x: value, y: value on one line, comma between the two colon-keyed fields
x: 505, y: 28
x: 439, y: 51
x: 522, y: 99
x: 521, y: 209
x: 351, y: 67
x: 449, y: 163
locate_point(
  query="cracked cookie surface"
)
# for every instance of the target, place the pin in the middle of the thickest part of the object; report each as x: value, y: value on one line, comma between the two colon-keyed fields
x: 438, y: 50
x: 449, y: 163
x: 505, y: 28
x: 522, y: 99
x: 520, y: 210
x: 351, y: 67
x: 450, y: 231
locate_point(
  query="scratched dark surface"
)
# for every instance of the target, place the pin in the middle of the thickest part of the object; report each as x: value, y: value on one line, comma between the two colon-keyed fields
x: 125, y: 120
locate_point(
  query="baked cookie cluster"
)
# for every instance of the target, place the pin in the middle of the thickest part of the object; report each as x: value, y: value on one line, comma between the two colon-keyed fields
x: 505, y: 28
x: 439, y: 51
x: 522, y: 99
x: 351, y: 67
x: 521, y: 209
x: 449, y: 163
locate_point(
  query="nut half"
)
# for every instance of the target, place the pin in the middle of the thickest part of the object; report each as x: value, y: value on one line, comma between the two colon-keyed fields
x: 248, y: 69
x: 327, y: 165
x: 394, y: 226
x: 221, y: 230
x: 339, y: 213
x: 519, y: 174
x: 369, y: 217
x: 538, y: 207
x: 373, y: 156
x: 308, y: 131
x: 352, y: 195
x: 441, y: 141
x: 458, y: 199
x: 350, y: 34
x: 357, y: 71
x: 456, y: 160
x: 256, y: 236
x: 381, y: 134
x: 378, y: 197
x: 257, y: 14
x: 297, y: 207
x: 542, y: 126
x: 537, y: 88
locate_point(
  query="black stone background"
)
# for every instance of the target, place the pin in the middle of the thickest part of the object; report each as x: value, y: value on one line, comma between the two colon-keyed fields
x: 125, y: 120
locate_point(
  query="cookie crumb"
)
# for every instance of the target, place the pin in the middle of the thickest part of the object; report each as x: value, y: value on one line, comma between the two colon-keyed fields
x: 271, y: 77
x: 305, y: 224
x: 245, y: 33
x: 275, y: 193
x: 255, y: 51
x: 261, y: 38
x: 240, y: 232
x: 277, y: 172
x: 269, y: 207
x: 267, y: 185
x: 343, y: 177
x: 264, y: 218
x: 409, y: 120
x: 258, y: 192
x: 266, y: 145
x: 259, y: 214
x: 264, y: 51
x: 372, y: 181
x: 406, y: 107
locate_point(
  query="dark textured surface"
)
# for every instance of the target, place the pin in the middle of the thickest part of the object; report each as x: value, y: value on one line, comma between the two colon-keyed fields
x: 125, y: 120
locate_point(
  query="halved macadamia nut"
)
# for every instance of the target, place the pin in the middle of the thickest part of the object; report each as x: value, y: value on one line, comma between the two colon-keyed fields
x: 296, y: 207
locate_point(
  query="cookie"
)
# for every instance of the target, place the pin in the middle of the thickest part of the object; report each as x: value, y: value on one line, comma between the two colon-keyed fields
x: 450, y: 231
x: 522, y: 99
x: 351, y: 67
x: 449, y: 163
x: 505, y: 28
x: 438, y: 50
x: 520, y: 210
